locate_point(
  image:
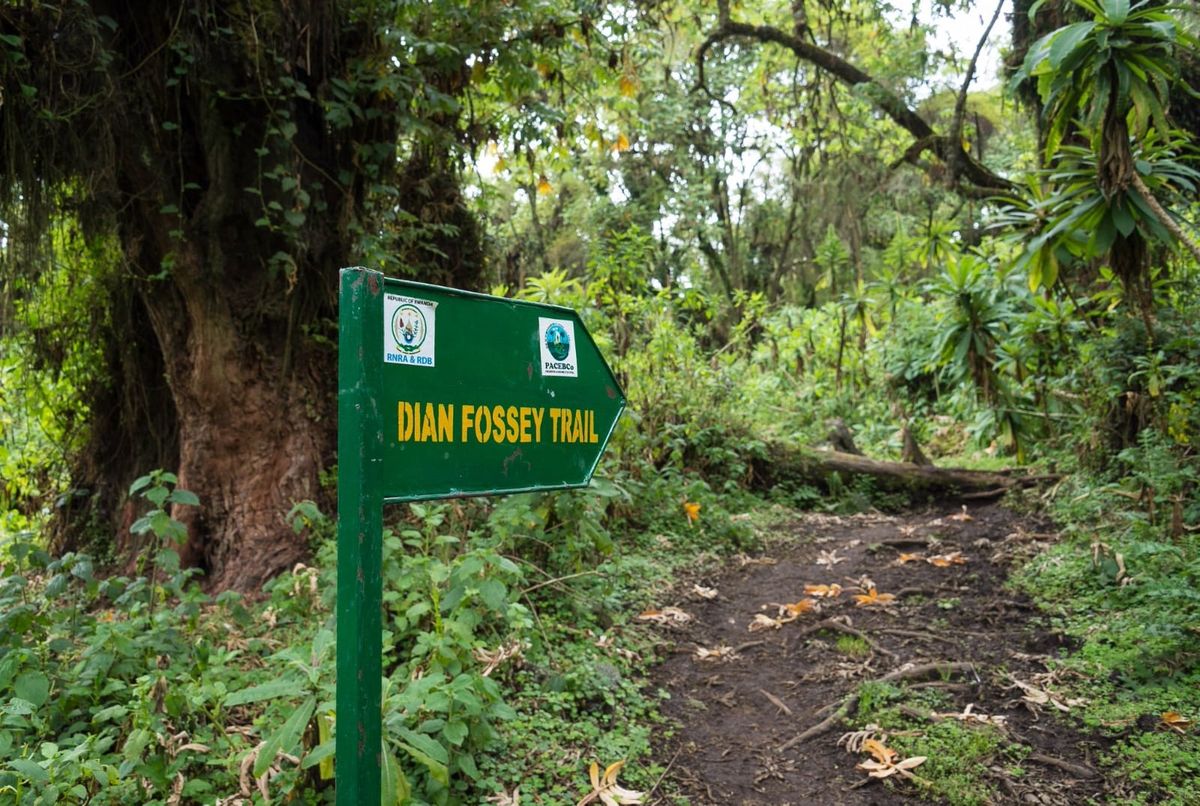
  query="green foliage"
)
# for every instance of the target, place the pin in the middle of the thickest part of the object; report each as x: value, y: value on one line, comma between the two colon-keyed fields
x: 1161, y: 768
x: 1123, y: 59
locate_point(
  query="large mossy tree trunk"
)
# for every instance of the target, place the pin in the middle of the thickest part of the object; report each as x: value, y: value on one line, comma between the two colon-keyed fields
x: 233, y: 222
x: 231, y: 151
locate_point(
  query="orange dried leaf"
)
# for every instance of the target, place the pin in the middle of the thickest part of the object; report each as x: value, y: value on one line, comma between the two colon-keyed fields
x: 879, y: 750
x: 873, y: 597
x: 907, y: 558
x: 823, y: 591
x: 605, y: 788
x: 947, y: 560
x: 668, y: 615
x: 1173, y: 720
x: 795, y: 609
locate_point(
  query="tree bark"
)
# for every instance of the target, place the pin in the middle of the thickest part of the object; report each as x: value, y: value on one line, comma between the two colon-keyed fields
x: 253, y: 432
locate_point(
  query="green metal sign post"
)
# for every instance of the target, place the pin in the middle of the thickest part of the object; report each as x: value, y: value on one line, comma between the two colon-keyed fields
x: 443, y: 393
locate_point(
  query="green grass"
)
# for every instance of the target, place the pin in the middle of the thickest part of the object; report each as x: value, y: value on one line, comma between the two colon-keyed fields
x: 957, y: 756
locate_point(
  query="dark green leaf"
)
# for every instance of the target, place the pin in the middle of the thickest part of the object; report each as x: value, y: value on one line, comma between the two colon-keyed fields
x: 395, y: 789
x: 286, y: 738
x: 266, y: 691
x: 30, y: 769
x: 34, y: 687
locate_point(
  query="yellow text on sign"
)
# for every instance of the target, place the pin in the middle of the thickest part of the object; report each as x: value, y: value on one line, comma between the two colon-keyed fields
x: 448, y: 422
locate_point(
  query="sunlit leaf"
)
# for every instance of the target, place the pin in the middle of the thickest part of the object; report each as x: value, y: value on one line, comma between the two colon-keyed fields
x: 606, y: 789
x: 1173, y: 720
x: 873, y: 597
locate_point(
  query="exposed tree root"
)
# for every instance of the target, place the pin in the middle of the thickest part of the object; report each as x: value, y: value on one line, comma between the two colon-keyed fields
x: 903, y: 673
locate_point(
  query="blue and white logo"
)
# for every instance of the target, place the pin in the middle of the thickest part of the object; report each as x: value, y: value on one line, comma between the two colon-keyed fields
x: 556, y: 340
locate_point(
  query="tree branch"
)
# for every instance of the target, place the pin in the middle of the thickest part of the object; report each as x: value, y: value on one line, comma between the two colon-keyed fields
x: 962, y: 165
x: 1162, y: 215
x: 960, y: 104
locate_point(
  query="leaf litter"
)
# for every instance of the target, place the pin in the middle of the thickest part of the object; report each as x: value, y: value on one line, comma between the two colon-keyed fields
x: 722, y: 760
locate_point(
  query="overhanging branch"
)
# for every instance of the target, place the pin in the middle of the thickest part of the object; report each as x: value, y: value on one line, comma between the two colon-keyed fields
x: 963, y: 167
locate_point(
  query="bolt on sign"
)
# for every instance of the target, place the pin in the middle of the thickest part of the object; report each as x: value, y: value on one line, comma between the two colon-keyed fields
x: 443, y: 393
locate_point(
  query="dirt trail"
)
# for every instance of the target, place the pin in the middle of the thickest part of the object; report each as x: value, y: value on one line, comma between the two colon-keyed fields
x: 740, y: 719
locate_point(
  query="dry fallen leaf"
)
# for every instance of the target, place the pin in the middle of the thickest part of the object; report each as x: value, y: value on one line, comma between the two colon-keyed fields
x: 947, y: 560
x: 853, y: 741
x: 823, y: 591
x: 873, y: 597
x: 968, y: 715
x: 503, y: 798
x: 744, y: 560
x: 605, y: 788
x: 791, y: 611
x: 907, y: 558
x: 879, y: 750
x: 829, y: 558
x: 1038, y: 696
x: 884, y: 763
x: 962, y: 517
x: 668, y: 615
x: 1173, y: 720
x: 884, y: 769
x: 716, y: 654
x: 492, y: 658
x: 703, y: 592
x: 764, y: 622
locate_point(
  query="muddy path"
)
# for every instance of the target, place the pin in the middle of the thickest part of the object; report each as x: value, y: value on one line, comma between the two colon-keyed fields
x: 762, y: 726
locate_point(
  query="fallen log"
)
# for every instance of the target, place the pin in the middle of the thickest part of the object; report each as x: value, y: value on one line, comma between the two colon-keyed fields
x: 784, y: 466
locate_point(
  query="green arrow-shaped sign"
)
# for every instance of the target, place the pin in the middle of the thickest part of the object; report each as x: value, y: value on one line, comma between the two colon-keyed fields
x: 443, y: 393
x: 482, y: 395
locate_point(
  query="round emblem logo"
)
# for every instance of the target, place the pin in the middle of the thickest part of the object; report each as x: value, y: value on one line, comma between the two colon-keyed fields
x: 557, y: 341
x: 408, y: 328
